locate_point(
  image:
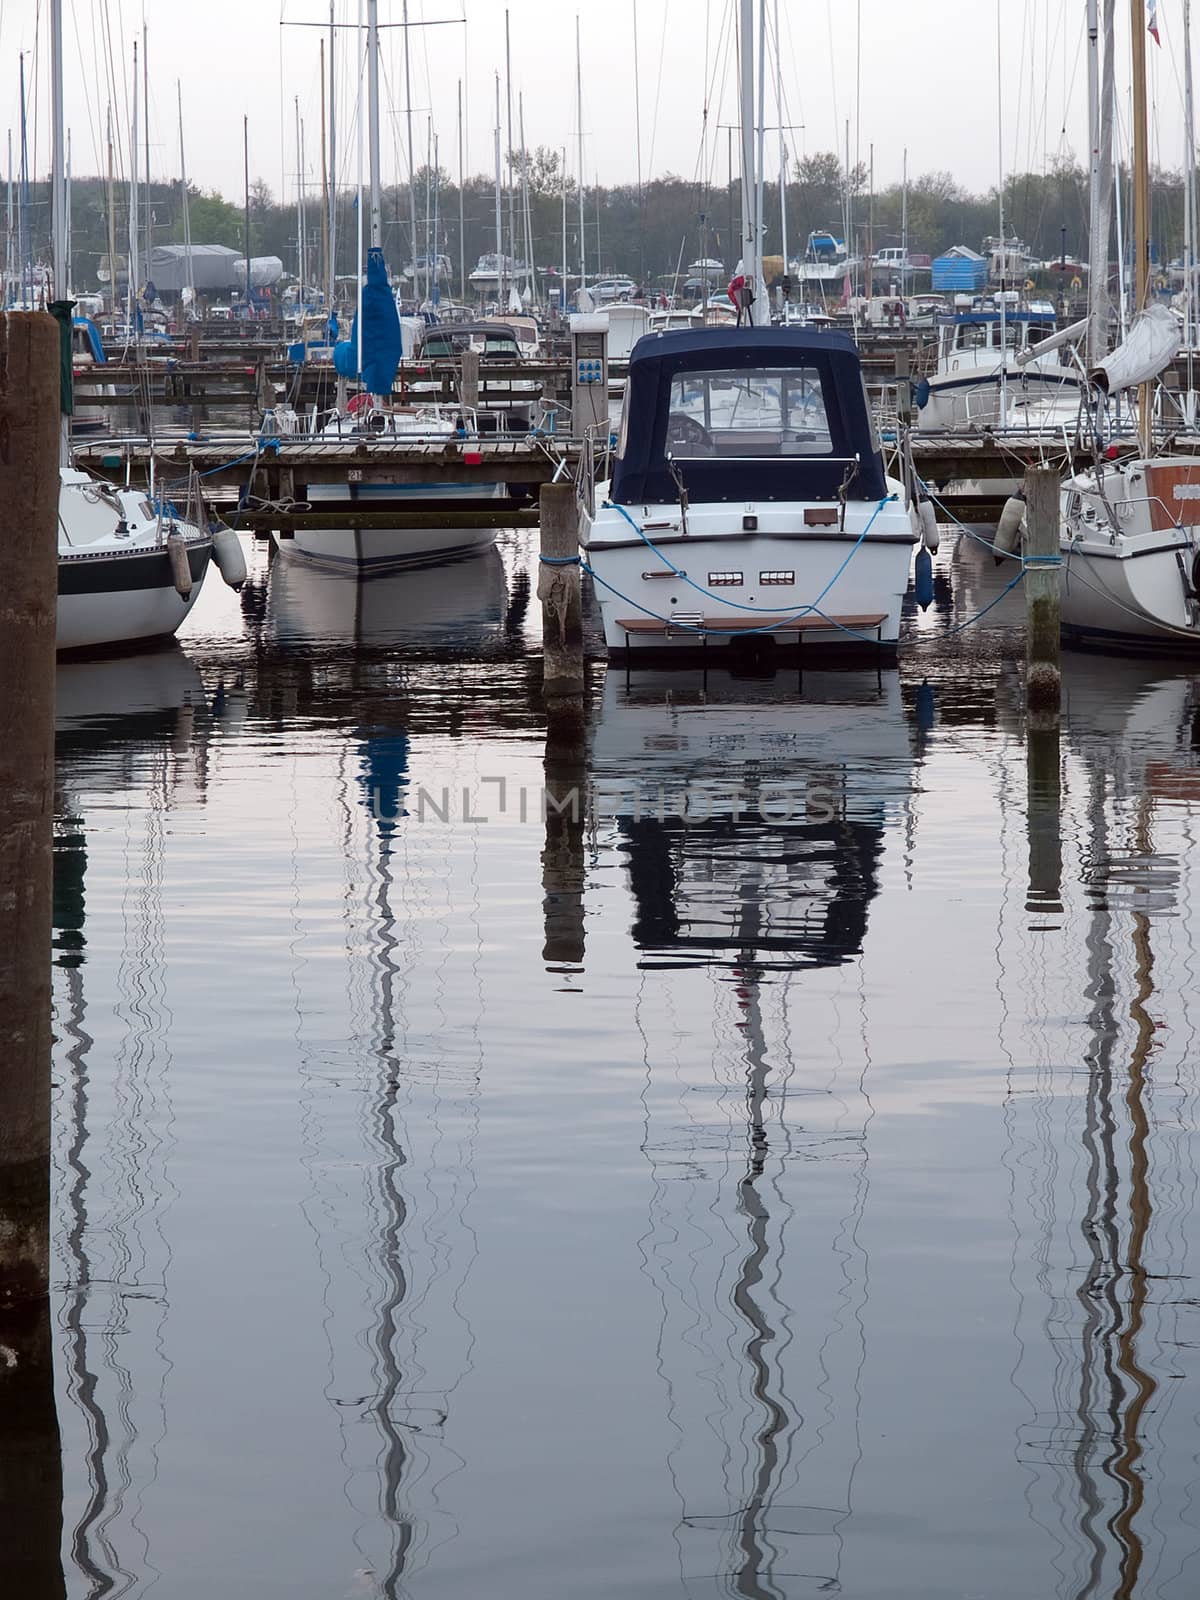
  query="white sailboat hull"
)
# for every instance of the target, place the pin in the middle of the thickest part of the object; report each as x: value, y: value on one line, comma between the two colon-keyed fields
x: 370, y: 548
x: 1131, y: 555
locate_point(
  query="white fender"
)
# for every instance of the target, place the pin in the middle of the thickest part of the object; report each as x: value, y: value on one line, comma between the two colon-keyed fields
x: 177, y: 554
x: 929, y: 528
x: 229, y: 557
x: 1010, y: 528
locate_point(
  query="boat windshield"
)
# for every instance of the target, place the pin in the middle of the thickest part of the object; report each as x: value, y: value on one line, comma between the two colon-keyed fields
x: 768, y: 411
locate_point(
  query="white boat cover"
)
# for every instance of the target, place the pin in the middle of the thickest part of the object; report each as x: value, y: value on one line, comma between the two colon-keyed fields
x: 1152, y: 342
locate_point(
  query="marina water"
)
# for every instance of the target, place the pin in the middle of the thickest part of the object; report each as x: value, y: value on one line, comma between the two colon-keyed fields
x: 758, y: 1158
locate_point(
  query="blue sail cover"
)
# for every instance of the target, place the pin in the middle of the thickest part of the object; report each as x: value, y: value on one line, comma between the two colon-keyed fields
x: 381, y: 345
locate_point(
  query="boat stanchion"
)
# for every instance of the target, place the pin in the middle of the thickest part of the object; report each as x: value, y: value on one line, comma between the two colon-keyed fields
x: 1043, y: 598
x: 31, y: 1476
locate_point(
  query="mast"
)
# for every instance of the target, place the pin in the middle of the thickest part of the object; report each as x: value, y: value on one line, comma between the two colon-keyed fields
x: 246, y: 174
x: 562, y: 292
x: 376, y: 239
x: 526, y: 222
x: 131, y: 272
x: 9, y: 255
x: 412, y: 178
x: 1097, y: 246
x: 58, y: 198
x: 67, y: 218
x: 904, y: 224
x: 746, y: 122
x: 1189, y: 203
x: 512, y: 227
x: 146, y: 141
x: 324, y: 179
x: 1141, y: 198
x: 331, y: 215
x: 1003, y: 245
x: 783, y: 155
x: 183, y: 184
x: 437, y: 290
x: 579, y: 118
x: 499, y: 230
x: 299, y: 207
x: 462, y: 232
x: 760, y: 312
x: 24, y: 248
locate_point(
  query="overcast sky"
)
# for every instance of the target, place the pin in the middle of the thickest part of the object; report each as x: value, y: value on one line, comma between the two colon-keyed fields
x: 928, y: 81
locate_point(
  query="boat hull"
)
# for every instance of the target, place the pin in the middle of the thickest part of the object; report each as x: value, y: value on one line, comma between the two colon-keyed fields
x: 370, y: 549
x: 841, y: 575
x: 1133, y: 601
x: 110, y: 599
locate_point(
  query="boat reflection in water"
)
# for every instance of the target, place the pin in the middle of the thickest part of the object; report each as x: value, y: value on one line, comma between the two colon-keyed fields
x: 753, y: 824
x: 133, y: 724
x: 461, y: 607
x: 1101, y: 1241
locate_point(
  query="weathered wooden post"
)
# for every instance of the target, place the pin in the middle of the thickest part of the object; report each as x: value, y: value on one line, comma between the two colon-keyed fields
x: 559, y: 593
x: 30, y: 1460
x: 1043, y: 605
x: 470, y: 380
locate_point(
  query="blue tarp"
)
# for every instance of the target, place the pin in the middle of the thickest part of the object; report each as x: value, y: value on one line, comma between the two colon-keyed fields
x: 381, y: 343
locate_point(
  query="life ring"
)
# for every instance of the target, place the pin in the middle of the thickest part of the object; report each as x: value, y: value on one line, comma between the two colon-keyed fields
x: 358, y: 402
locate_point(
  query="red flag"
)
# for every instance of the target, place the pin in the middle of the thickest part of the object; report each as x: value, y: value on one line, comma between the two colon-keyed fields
x: 1152, y: 28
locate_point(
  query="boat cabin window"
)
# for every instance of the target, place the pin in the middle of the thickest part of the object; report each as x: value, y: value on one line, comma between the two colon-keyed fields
x: 768, y: 411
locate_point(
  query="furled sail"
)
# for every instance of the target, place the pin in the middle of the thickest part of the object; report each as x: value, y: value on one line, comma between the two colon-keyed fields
x: 1152, y: 342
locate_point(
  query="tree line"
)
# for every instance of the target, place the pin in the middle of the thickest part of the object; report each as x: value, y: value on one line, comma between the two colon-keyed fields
x: 647, y: 234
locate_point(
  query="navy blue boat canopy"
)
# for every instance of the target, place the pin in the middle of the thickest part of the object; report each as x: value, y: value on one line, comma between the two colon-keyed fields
x: 746, y: 414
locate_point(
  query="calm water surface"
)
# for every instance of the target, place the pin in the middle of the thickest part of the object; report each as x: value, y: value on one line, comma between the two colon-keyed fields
x: 776, y: 1177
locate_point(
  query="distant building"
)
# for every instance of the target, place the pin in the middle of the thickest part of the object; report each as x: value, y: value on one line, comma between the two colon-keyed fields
x: 960, y: 269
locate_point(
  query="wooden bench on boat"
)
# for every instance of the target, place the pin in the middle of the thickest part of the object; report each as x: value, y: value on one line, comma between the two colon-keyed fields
x: 695, y: 625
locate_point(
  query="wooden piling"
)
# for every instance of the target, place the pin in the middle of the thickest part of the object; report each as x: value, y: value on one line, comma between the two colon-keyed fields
x: 1043, y: 603
x: 559, y: 593
x: 30, y: 1462
x: 470, y: 379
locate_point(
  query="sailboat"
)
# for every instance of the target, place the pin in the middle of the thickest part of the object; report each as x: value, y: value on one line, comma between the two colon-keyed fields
x: 372, y: 355
x: 1130, y: 534
x: 129, y: 567
x: 747, y: 500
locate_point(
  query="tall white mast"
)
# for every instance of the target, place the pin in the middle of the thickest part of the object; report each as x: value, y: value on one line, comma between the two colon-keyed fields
x: 1003, y: 245
x: 526, y: 219
x: 512, y: 227
x: 58, y: 198
x: 1097, y: 246
x: 299, y: 207
x: 749, y: 245
x: 376, y: 239
x: 462, y: 235
x: 67, y: 218
x: 760, y: 311
x: 331, y: 287
x: 412, y: 176
x: 132, y: 270
x: 183, y: 184
x: 579, y: 118
x: 562, y: 291
x: 499, y: 229
x: 1189, y: 192
x: 783, y: 153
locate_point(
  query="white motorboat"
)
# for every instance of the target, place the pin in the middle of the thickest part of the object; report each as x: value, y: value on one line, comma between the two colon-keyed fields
x: 128, y: 568
x: 989, y: 374
x: 748, y: 489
